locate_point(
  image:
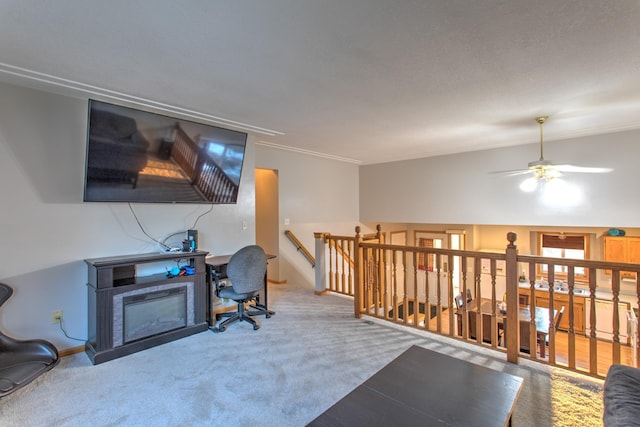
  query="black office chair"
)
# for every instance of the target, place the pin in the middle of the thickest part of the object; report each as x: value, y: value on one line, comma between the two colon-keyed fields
x: 246, y: 272
x: 22, y: 361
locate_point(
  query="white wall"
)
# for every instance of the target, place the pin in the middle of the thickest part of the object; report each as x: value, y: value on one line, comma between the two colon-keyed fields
x: 460, y: 188
x: 47, y: 231
x: 316, y: 194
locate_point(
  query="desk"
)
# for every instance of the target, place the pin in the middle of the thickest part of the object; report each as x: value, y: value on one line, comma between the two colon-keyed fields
x: 424, y: 387
x: 524, y: 315
x: 219, y: 265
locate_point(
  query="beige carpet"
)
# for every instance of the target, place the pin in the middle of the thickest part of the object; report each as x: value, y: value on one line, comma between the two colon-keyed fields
x: 575, y: 402
x: 301, y: 361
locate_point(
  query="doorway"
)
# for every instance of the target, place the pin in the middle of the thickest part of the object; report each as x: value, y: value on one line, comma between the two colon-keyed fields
x: 267, y: 217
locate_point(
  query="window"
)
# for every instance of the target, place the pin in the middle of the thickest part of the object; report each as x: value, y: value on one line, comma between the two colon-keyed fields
x: 563, y: 245
x: 431, y: 258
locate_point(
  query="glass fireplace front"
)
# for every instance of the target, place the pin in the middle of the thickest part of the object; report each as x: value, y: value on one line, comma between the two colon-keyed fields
x: 153, y: 313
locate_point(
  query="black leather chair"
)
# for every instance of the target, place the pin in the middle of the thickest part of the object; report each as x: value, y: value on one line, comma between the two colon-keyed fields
x: 22, y: 361
x: 246, y: 272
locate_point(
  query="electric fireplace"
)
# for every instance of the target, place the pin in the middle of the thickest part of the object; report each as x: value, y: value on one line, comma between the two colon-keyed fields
x: 134, y: 305
x: 147, y: 312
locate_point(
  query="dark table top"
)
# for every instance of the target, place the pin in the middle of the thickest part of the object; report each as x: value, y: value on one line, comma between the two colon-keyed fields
x: 524, y: 314
x: 423, y: 387
x: 218, y: 260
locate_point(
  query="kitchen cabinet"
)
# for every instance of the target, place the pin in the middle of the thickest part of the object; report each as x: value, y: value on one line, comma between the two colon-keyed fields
x: 559, y: 300
x: 622, y: 249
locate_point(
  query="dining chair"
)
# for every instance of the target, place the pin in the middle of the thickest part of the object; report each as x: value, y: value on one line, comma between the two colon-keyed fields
x: 556, y: 322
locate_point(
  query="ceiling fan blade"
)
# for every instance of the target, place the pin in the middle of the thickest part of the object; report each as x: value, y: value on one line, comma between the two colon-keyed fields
x: 581, y: 169
x: 513, y: 172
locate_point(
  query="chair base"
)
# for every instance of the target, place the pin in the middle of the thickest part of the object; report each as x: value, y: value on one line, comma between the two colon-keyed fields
x: 240, y: 315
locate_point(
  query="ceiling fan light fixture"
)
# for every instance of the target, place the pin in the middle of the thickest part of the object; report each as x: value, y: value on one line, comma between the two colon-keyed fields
x: 529, y: 185
x: 544, y: 171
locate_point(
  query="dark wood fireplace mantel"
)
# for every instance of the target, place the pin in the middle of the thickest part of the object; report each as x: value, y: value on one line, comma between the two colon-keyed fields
x: 112, y: 279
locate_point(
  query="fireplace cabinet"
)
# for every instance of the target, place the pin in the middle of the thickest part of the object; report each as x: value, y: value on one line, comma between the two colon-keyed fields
x: 135, y: 304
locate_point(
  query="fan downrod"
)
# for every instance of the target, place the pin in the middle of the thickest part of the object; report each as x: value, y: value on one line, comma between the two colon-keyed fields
x: 541, y: 121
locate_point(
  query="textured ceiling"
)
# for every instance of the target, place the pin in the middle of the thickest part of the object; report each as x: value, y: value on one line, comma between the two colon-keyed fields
x: 367, y: 80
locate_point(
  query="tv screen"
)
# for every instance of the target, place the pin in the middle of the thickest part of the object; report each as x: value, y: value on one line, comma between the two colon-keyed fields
x: 138, y: 156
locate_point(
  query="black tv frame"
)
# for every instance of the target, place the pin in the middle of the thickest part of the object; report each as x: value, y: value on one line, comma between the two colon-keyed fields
x: 138, y: 156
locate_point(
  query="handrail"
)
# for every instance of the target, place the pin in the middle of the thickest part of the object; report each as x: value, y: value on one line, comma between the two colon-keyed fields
x: 300, y: 247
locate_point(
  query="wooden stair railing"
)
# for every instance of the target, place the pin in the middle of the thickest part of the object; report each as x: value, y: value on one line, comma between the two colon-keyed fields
x: 202, y: 170
x: 300, y: 247
x: 391, y: 283
x: 345, y: 254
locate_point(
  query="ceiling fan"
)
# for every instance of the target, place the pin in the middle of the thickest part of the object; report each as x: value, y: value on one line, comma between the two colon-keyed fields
x: 544, y: 170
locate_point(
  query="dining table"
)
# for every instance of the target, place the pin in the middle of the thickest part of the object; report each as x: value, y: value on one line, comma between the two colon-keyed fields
x: 524, y: 316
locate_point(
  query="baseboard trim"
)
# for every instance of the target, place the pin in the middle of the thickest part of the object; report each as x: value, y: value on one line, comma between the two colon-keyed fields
x: 277, y: 282
x: 71, y: 351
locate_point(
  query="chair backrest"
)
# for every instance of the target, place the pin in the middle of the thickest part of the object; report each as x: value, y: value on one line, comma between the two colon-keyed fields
x: 459, y: 301
x: 5, y: 293
x: 246, y: 269
x: 558, y: 318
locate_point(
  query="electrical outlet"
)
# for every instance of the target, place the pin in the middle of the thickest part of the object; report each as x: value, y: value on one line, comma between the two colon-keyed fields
x: 56, y: 316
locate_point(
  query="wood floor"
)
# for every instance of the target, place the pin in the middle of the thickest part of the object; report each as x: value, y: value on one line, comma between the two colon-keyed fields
x: 604, y: 350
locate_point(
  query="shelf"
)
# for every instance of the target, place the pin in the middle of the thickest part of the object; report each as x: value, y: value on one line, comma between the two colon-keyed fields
x: 151, y: 279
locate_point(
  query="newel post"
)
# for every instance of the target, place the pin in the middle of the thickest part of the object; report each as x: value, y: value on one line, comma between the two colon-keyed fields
x: 512, y: 326
x: 357, y: 274
x: 321, y: 264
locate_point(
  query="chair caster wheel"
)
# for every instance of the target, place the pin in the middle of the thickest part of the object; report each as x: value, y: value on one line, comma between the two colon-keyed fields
x: 268, y: 316
x: 221, y: 329
x: 256, y: 327
x: 218, y: 317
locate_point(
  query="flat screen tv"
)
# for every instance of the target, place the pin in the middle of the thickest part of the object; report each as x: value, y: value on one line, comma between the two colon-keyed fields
x: 143, y: 157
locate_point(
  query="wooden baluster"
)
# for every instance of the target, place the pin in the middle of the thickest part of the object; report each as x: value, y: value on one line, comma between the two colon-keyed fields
x: 335, y: 269
x: 343, y: 277
x: 494, y: 304
x: 426, y: 296
x: 593, y: 342
x: 532, y: 296
x: 532, y: 286
x: 394, y: 282
x: 358, y: 298
x: 414, y: 259
x: 350, y: 271
x: 383, y: 280
x: 450, y: 292
x: 478, y: 323
x: 462, y: 329
x: 552, y: 341
x: 494, y: 315
x: 331, y: 268
x: 615, y: 288
x: 476, y: 283
x: 372, y: 283
x: 438, y: 294
x: 572, y: 333
x: 405, y: 291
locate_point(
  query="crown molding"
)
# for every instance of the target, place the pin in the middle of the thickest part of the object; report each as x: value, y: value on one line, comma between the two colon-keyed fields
x: 308, y: 152
x: 107, y: 94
